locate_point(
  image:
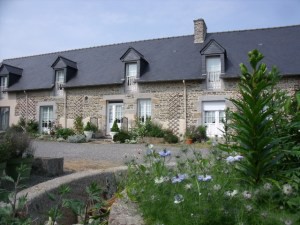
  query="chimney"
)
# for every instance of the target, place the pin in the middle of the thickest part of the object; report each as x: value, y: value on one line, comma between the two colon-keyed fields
x: 199, y: 31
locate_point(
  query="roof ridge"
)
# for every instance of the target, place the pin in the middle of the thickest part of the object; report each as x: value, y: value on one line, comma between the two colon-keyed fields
x: 99, y: 46
x: 254, y: 29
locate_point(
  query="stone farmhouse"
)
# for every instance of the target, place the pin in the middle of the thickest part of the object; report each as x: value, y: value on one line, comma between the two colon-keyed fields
x: 177, y: 81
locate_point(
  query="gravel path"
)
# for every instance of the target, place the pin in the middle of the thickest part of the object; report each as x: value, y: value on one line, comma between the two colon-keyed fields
x: 107, y: 153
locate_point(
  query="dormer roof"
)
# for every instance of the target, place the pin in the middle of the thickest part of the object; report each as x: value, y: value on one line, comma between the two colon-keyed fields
x: 62, y: 62
x: 131, y: 55
x: 212, y: 47
x: 6, y: 69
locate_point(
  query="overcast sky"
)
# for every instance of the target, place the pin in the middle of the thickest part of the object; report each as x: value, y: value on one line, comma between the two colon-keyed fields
x: 29, y: 27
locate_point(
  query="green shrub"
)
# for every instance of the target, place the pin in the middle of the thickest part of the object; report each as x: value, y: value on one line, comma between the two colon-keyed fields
x: 121, y: 137
x: 32, y: 127
x: 64, y: 133
x: 78, y: 125
x: 200, y: 134
x: 90, y: 127
x: 170, y: 137
x: 115, y: 127
x: 78, y: 138
x: 5, y: 152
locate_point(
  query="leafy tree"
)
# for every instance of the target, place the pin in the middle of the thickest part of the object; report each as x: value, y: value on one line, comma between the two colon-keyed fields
x: 252, y: 125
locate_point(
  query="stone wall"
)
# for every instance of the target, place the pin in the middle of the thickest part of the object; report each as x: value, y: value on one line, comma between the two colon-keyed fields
x: 168, y: 101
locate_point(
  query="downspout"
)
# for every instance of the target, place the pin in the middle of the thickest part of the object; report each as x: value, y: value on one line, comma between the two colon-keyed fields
x: 184, y: 105
x: 65, y: 108
x: 26, y: 102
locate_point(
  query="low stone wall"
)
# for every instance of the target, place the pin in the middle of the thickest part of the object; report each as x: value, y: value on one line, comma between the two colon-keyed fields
x: 39, y: 202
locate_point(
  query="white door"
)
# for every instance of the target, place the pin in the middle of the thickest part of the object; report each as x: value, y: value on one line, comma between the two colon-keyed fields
x: 214, y: 114
x: 114, y: 112
x: 46, y: 119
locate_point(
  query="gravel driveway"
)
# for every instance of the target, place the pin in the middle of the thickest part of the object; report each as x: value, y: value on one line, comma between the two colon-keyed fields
x: 92, y: 155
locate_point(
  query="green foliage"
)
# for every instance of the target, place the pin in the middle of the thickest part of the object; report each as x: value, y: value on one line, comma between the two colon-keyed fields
x: 121, y: 137
x: 15, y: 210
x: 64, y: 133
x: 78, y: 125
x: 90, y: 127
x: 252, y: 121
x: 170, y: 137
x: 77, y: 138
x: 5, y: 150
x: 200, y: 134
x: 32, y: 127
x: 20, y: 144
x: 220, y: 199
x: 190, y: 132
x: 115, y: 127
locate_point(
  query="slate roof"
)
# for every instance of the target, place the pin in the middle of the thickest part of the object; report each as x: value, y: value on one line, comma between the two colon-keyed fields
x: 169, y: 59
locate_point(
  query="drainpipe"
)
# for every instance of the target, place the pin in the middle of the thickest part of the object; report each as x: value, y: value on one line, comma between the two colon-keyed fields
x: 26, y: 113
x: 65, y: 108
x: 184, y: 105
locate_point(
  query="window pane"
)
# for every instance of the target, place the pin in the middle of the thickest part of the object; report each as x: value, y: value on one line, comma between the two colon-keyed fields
x: 60, y: 76
x: 131, y: 69
x: 209, y: 117
x: 213, y: 64
x: 144, y: 109
x: 221, y: 116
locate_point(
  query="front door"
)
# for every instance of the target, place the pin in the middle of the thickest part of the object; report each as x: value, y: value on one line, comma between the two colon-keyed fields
x: 214, y: 114
x: 46, y: 119
x: 4, y: 118
x: 114, y: 112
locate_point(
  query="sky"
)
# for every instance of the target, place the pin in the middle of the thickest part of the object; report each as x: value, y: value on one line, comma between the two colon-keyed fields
x: 31, y: 27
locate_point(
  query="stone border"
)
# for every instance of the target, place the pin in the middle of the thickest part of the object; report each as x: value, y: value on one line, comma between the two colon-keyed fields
x: 39, y: 203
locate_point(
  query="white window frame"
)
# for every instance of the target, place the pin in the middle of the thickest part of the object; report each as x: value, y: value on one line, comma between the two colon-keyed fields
x: 59, y: 82
x: 144, y: 109
x: 213, y: 71
x: 3, y: 86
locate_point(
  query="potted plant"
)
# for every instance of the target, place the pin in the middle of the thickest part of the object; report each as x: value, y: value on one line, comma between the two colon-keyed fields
x: 4, y: 154
x: 114, y: 130
x: 189, y: 135
x: 22, y: 152
x: 89, y: 129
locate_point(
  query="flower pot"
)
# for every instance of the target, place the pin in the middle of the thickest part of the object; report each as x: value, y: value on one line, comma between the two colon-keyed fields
x: 13, y: 164
x: 112, y: 134
x: 2, y: 168
x: 189, y: 141
x: 88, y: 135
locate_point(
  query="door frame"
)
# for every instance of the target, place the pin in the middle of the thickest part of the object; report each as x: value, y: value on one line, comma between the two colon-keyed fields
x: 113, y: 103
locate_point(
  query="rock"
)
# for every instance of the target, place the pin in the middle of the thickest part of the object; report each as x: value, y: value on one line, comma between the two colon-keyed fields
x: 48, y: 166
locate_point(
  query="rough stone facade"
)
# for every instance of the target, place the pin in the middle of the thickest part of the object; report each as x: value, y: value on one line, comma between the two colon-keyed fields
x: 168, y: 102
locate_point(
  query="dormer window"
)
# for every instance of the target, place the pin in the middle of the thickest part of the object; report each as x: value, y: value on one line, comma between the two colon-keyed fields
x: 131, y: 73
x: 213, y: 72
x: 213, y: 64
x: 60, y: 80
x: 3, y: 87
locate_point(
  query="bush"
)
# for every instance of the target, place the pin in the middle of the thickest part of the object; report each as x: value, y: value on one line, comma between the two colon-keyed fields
x: 78, y: 125
x: 121, y: 137
x: 78, y: 138
x: 200, y: 134
x: 115, y: 127
x: 32, y: 127
x: 170, y: 137
x: 90, y: 127
x: 4, y: 150
x: 64, y: 133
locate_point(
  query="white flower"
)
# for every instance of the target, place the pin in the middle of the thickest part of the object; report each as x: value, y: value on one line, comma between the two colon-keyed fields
x: 231, y: 159
x: 178, y: 199
x: 166, y: 179
x: 159, y: 180
x: 188, y: 186
x: 150, y: 146
x: 231, y: 194
x: 287, y: 189
x: 247, y: 195
x: 288, y: 222
x: 248, y: 208
x: 267, y: 186
x: 217, y: 187
x: 204, y: 178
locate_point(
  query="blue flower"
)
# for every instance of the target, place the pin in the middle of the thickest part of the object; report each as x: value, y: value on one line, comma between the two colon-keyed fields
x: 204, y: 178
x: 178, y: 178
x: 164, y: 153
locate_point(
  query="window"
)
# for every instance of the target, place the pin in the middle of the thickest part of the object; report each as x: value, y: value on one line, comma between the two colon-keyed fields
x: 144, y: 109
x: 209, y: 117
x: 221, y: 116
x: 4, y: 118
x: 213, y: 70
x: 3, y: 86
x: 60, y: 80
x: 46, y: 118
x: 131, y: 74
